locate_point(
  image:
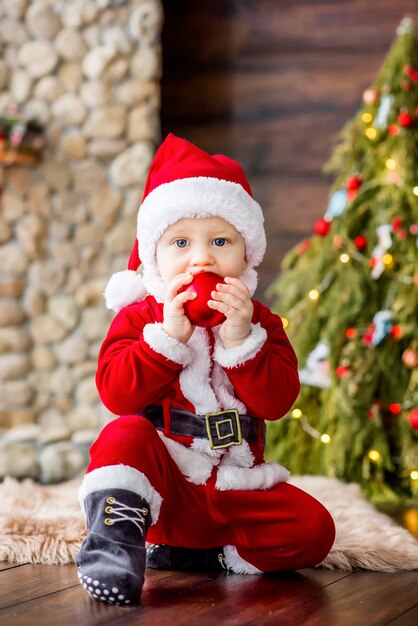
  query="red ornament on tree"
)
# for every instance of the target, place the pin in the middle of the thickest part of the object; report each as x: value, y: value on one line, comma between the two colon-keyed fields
x: 396, y: 222
x: 413, y: 418
x: 321, y: 227
x: 413, y: 74
x: 353, y: 182
x: 410, y: 357
x: 368, y: 335
x: 396, y: 331
x: 393, y: 129
x: 405, y: 120
x: 360, y: 242
x: 342, y: 371
x: 395, y: 408
x: 197, y: 310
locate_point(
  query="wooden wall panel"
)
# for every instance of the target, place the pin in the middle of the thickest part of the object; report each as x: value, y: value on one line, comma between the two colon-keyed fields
x: 270, y: 83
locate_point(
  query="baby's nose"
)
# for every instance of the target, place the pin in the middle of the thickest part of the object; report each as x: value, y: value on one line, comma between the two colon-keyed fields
x: 201, y: 256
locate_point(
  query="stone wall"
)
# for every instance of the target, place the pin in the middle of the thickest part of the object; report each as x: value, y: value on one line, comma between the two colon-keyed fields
x: 89, y: 70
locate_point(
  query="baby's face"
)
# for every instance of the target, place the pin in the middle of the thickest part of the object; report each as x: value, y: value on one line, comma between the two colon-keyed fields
x: 208, y: 244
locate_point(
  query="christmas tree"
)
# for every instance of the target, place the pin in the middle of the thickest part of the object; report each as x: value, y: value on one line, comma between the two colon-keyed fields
x: 348, y: 297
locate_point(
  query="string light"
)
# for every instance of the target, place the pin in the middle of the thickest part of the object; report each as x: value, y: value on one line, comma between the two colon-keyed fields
x: 325, y: 438
x: 370, y: 133
x: 390, y: 164
x: 313, y: 294
x: 296, y: 413
x: 374, y: 455
x: 366, y: 117
x: 344, y: 258
x: 285, y: 322
x: 414, y: 474
x: 415, y: 191
x: 387, y: 259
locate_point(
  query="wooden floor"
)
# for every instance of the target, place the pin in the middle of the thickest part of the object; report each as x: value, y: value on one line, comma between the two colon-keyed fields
x: 49, y: 595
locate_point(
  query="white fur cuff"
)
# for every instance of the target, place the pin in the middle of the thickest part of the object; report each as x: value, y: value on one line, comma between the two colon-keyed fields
x: 231, y: 357
x: 236, y: 563
x: 160, y: 342
x: 121, y: 477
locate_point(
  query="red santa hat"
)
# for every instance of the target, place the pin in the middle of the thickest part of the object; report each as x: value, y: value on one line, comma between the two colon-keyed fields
x: 184, y: 181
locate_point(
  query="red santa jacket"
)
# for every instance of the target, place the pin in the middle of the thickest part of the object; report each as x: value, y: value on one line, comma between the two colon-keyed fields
x: 140, y: 365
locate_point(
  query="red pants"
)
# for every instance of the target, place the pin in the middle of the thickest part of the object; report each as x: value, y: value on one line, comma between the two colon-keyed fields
x: 282, y: 528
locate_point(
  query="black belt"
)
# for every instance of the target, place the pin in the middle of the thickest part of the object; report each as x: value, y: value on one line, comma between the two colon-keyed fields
x: 223, y: 429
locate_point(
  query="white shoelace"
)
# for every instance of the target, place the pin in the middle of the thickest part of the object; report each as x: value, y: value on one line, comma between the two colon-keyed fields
x: 120, y: 510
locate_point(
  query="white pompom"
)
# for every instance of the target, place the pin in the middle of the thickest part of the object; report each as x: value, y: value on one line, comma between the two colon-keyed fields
x: 124, y: 288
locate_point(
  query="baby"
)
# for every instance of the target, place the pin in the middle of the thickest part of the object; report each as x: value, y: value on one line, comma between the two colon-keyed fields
x: 183, y: 468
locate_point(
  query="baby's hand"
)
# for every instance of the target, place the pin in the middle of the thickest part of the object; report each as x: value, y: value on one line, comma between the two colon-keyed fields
x: 234, y: 301
x: 176, y: 323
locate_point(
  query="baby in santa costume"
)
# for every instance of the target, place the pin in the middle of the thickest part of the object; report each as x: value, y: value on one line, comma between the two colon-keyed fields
x: 183, y: 468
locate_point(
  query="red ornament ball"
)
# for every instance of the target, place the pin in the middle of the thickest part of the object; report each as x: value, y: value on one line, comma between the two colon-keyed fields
x: 350, y: 333
x: 410, y: 357
x: 396, y: 331
x: 395, y: 408
x: 413, y: 418
x: 353, y: 182
x: 393, y: 129
x: 396, y: 222
x: 360, y: 242
x: 342, y: 371
x: 197, y: 310
x: 405, y: 120
x: 321, y: 227
x: 411, y: 72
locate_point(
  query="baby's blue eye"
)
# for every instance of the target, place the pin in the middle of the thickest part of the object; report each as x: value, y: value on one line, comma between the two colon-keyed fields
x: 220, y: 241
x: 181, y: 243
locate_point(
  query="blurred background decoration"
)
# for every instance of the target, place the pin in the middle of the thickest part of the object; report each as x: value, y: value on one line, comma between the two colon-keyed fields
x: 349, y: 297
x: 21, y: 140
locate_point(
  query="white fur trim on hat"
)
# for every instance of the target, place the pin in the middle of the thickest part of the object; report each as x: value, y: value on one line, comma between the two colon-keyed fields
x: 201, y: 197
x: 124, y: 288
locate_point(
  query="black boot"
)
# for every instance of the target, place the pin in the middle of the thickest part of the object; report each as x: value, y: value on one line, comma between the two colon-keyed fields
x: 111, y: 561
x: 165, y: 557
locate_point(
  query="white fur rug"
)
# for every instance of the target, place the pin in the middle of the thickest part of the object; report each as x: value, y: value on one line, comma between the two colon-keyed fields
x: 44, y: 524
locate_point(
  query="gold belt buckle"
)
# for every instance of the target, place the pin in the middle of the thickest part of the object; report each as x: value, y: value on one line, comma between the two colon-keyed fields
x: 224, y: 429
